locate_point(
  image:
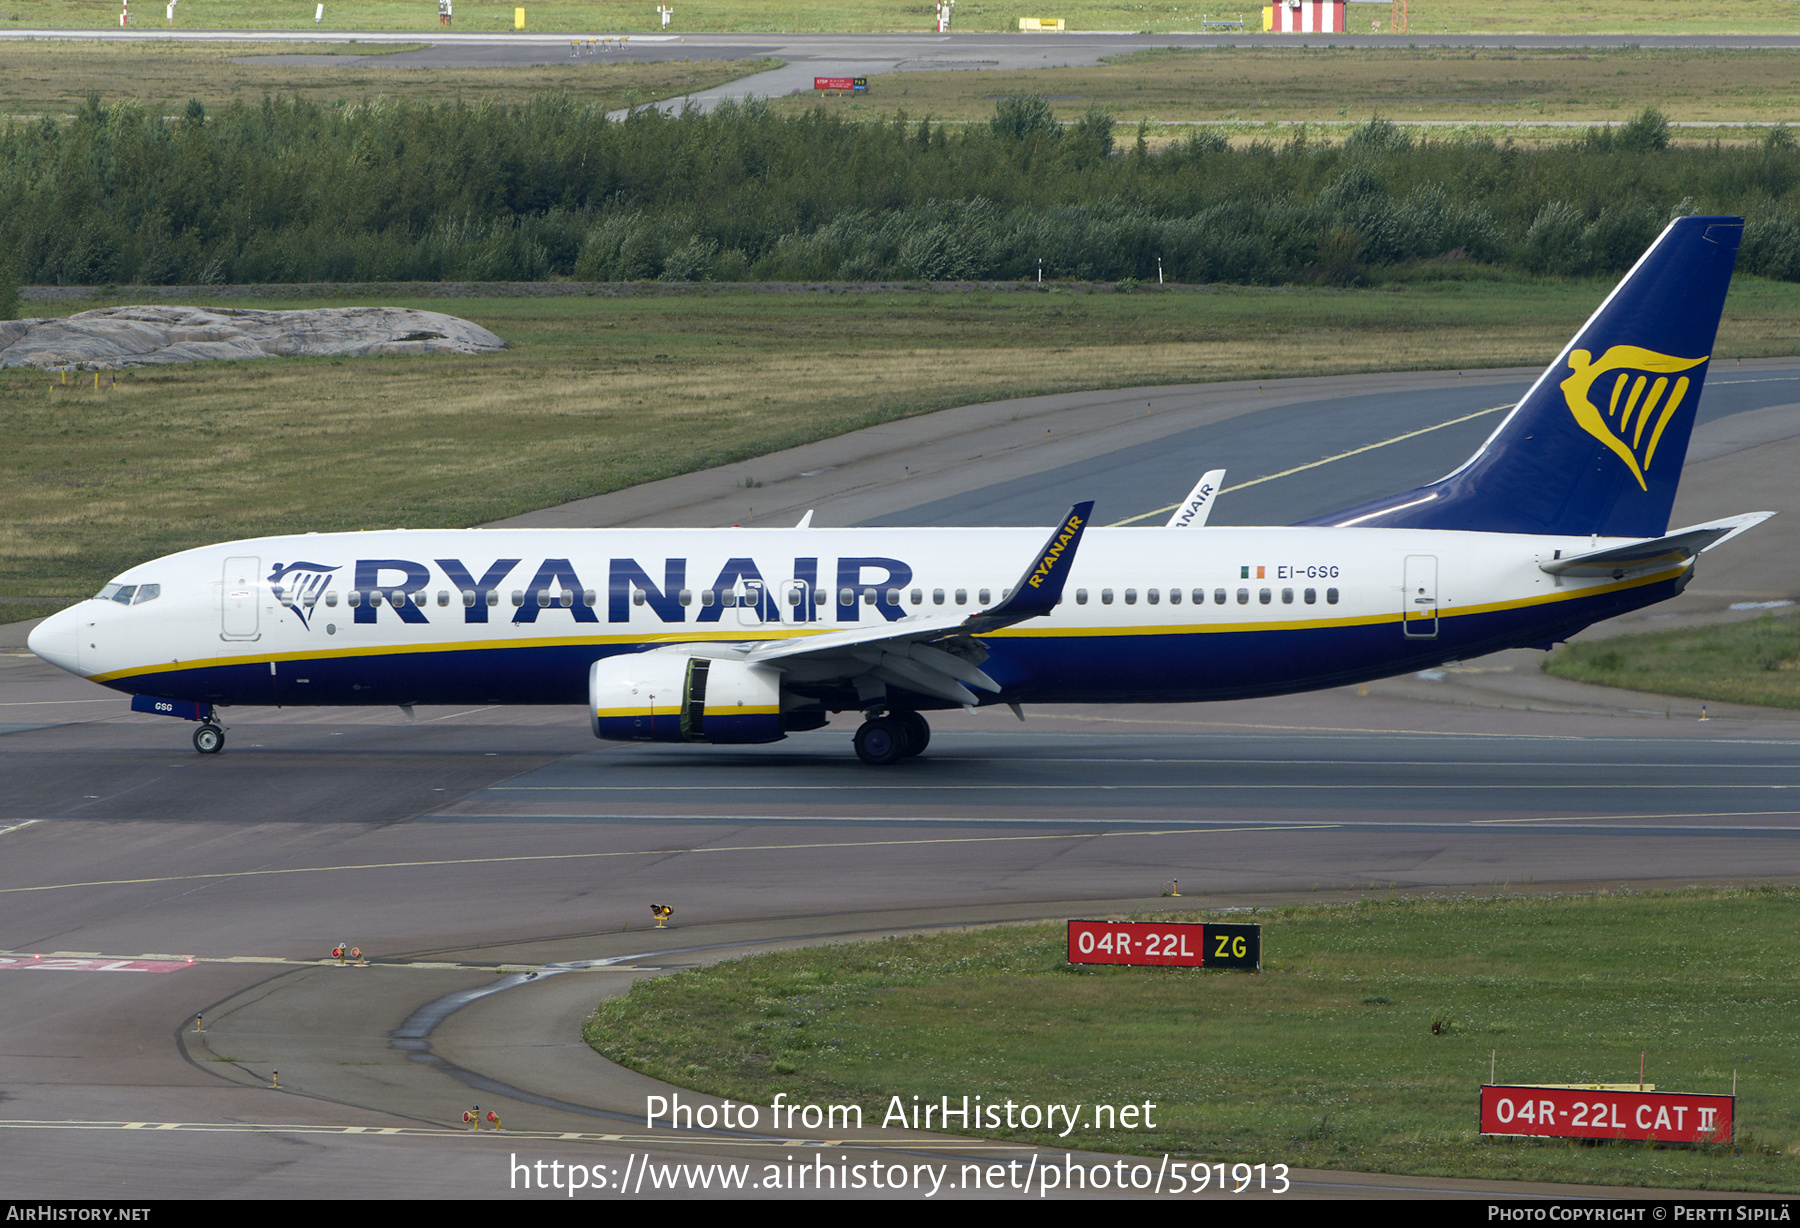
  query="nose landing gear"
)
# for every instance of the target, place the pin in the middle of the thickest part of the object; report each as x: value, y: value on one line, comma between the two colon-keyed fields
x: 209, y: 739
x: 888, y: 739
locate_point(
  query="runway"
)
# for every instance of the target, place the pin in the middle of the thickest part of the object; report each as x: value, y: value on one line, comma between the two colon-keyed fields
x: 469, y: 848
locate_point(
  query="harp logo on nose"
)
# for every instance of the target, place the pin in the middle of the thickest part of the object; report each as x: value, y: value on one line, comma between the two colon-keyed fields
x: 298, y: 586
x: 1636, y: 399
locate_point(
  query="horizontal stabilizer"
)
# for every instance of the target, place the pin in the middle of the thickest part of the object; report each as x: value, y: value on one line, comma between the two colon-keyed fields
x: 1656, y: 554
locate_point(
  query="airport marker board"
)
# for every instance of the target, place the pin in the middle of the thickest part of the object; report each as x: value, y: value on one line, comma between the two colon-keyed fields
x: 1576, y: 1112
x: 1165, y: 944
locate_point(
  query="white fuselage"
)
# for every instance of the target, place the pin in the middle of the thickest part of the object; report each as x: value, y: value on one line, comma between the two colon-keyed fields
x: 499, y: 616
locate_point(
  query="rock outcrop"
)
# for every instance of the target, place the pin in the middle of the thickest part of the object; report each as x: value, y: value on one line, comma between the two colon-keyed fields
x: 148, y: 336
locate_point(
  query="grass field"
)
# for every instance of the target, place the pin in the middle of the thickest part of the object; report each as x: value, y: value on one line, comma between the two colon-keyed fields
x: 1257, y: 85
x: 1752, y: 662
x: 1327, y: 1059
x: 1245, y: 86
x: 598, y: 393
x: 56, y: 77
x: 1442, y: 16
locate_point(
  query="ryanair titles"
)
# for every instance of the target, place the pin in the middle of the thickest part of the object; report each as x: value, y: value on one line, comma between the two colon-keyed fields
x: 857, y: 587
x: 1070, y: 531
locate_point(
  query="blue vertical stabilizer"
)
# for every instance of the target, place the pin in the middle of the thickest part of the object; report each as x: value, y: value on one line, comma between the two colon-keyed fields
x: 1596, y: 447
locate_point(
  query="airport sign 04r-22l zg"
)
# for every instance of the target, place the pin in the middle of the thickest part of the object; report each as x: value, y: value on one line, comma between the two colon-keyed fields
x: 1165, y: 944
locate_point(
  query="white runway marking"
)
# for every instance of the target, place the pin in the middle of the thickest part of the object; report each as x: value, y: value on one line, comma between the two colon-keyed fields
x: 662, y: 852
x: 53, y: 963
x: 1598, y: 823
x: 562, y: 1136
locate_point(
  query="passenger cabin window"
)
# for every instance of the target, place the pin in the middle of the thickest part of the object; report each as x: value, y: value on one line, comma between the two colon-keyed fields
x: 493, y: 596
x: 1131, y: 596
x: 1243, y: 596
x: 918, y: 596
x: 1263, y: 596
x: 1218, y: 596
x: 962, y: 596
x: 588, y: 596
x: 1081, y: 596
x: 443, y: 596
x: 331, y: 599
x: 1331, y: 596
x: 685, y: 596
x: 1106, y: 596
x: 707, y: 596
x: 1150, y: 596
x: 1287, y: 596
x: 846, y: 596
x: 1174, y: 596
x: 937, y: 596
x: 468, y: 598
x: 1312, y: 596
x: 986, y: 595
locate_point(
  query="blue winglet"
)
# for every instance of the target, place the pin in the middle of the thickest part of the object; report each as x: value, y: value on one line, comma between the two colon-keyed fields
x: 1040, y: 588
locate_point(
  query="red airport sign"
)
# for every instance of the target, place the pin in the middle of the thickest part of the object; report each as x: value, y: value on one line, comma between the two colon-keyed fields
x: 1165, y: 944
x: 848, y: 85
x: 1574, y: 1112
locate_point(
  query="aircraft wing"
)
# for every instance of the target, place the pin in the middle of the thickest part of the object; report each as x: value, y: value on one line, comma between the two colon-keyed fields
x: 1656, y: 553
x: 903, y: 652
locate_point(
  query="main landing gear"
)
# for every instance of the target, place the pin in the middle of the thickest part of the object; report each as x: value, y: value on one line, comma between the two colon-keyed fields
x: 888, y: 739
x: 209, y: 739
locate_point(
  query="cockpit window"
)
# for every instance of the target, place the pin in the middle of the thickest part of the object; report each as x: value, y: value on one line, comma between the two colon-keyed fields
x: 130, y: 594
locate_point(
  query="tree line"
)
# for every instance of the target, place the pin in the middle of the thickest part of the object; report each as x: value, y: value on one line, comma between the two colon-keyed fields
x: 292, y: 191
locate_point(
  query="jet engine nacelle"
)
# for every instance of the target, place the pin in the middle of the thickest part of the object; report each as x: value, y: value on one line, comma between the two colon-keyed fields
x: 672, y: 697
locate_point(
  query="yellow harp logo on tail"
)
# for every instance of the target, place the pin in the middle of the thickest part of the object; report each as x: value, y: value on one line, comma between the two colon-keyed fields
x: 1633, y: 385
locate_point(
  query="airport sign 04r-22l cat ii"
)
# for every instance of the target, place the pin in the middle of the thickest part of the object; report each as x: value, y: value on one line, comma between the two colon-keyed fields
x: 737, y: 635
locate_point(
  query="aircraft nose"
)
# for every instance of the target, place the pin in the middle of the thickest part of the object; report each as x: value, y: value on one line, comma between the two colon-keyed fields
x: 55, y: 639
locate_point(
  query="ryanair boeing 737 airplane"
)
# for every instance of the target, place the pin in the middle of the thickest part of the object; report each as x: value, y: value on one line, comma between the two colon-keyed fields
x: 1558, y: 521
